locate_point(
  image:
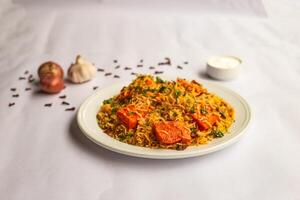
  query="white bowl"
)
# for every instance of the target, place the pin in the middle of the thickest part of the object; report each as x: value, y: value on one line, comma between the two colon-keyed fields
x: 223, y: 67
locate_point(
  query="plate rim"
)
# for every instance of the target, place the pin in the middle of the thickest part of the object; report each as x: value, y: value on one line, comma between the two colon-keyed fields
x: 179, y: 154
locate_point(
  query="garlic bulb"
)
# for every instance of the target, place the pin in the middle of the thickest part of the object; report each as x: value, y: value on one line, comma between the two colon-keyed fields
x: 81, y: 71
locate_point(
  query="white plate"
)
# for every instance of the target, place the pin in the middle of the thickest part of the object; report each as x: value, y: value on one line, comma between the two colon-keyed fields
x: 87, y: 122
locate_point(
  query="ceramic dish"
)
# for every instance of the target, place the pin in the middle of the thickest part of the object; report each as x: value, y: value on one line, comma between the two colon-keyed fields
x: 87, y: 122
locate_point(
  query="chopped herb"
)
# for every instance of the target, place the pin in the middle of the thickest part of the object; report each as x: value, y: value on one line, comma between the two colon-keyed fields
x: 185, y: 62
x: 203, y: 111
x: 138, y: 89
x: 179, y: 67
x: 114, y: 110
x: 27, y: 89
x: 115, y: 61
x: 193, y: 131
x: 177, y: 93
x: 159, y: 80
x: 139, y: 66
x: 108, y: 74
x: 162, y: 89
x: 116, y: 76
x: 117, y: 67
x: 122, y: 137
x: 15, y: 95
x: 193, y: 110
x: 133, y: 73
x: 22, y: 78
x: 107, y: 101
x: 11, y: 104
x: 26, y: 72
x: 151, y: 67
x: 100, y: 70
x: 62, y: 97
x: 127, y: 68
x: 95, y: 87
x: 13, y: 89
x: 48, y: 105
x: 141, y: 60
x: 217, y: 134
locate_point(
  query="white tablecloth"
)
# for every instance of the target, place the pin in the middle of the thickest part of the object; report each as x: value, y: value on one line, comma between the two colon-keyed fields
x: 43, y: 155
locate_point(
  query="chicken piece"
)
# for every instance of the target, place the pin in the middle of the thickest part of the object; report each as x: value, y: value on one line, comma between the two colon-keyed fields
x: 204, y: 122
x: 128, y: 117
x: 171, y: 132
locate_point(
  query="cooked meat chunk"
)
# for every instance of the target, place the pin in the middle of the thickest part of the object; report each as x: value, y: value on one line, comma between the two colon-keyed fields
x: 171, y: 132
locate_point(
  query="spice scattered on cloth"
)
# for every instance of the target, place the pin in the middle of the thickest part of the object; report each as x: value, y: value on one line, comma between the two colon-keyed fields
x: 70, y: 109
x: 65, y: 103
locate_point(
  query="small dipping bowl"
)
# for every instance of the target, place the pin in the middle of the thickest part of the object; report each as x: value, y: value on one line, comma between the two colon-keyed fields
x: 223, y: 67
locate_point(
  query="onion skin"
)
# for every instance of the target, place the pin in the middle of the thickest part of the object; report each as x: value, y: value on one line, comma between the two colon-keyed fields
x: 50, y: 68
x: 51, y: 84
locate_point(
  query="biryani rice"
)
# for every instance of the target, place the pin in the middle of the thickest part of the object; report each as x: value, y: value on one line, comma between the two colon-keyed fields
x: 157, y: 100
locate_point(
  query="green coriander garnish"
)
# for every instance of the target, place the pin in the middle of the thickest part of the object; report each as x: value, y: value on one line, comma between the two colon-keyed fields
x: 159, y: 80
x: 203, y: 111
x: 107, y: 101
x: 217, y: 134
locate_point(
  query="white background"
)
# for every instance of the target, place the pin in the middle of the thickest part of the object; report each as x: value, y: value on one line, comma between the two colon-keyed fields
x: 43, y: 155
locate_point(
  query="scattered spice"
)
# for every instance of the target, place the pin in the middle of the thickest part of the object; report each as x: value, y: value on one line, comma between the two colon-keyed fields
x: 22, y: 78
x: 27, y: 89
x: 13, y: 89
x: 185, y: 62
x: 139, y: 66
x: 117, y: 67
x: 26, y: 72
x: 108, y: 74
x: 11, y: 104
x: 100, y: 70
x: 151, y: 67
x: 62, y: 97
x: 65, y: 103
x: 141, y: 61
x: 15, y: 95
x: 95, y: 87
x: 179, y: 67
x: 133, y: 73
x: 115, y: 61
x: 158, y: 72
x: 116, y: 76
x: 48, y: 105
x: 127, y: 68
x: 167, y: 62
x: 70, y: 109
x: 31, y: 80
